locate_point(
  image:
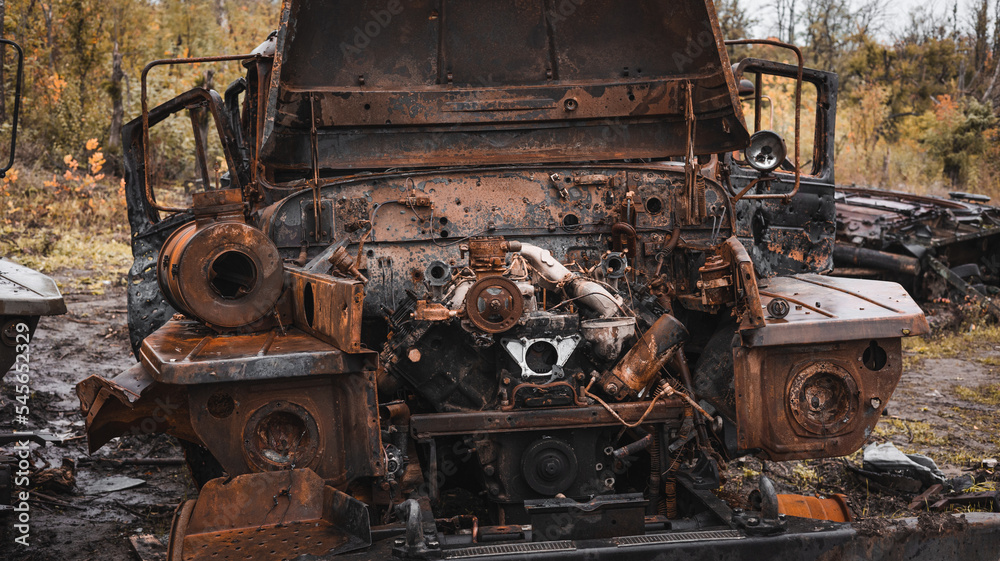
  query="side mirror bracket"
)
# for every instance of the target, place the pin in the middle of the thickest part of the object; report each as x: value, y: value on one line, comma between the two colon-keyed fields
x: 17, y: 104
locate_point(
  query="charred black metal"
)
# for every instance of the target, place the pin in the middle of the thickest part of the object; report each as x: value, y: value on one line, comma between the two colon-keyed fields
x: 498, y: 252
x: 935, y: 247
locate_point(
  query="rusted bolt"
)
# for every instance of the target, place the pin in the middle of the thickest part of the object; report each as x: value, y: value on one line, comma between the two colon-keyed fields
x: 611, y: 388
x: 778, y: 308
x: 494, y: 490
x: 506, y: 381
x: 571, y: 104
x: 489, y: 471
x: 753, y: 521
x: 413, y: 354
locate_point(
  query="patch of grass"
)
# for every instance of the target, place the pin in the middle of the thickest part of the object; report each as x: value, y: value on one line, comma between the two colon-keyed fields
x: 71, y: 220
x: 989, y: 360
x: 984, y: 487
x: 103, y: 256
x: 916, y: 432
x: 954, y: 344
x: 910, y: 361
x: 805, y: 476
x: 962, y: 457
x: 986, y: 394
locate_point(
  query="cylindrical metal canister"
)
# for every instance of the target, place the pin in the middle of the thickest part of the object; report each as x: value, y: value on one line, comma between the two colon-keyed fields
x: 642, y: 363
x: 221, y: 271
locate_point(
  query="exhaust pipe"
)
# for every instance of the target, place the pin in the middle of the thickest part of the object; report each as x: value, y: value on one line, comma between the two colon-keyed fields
x: 554, y: 274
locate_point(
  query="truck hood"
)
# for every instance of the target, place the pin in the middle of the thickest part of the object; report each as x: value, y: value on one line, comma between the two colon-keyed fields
x: 421, y: 83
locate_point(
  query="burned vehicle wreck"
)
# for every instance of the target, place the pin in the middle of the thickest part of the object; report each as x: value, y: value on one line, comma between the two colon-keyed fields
x: 493, y: 293
x: 935, y: 247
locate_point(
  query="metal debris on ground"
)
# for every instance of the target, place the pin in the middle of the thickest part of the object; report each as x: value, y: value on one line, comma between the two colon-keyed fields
x: 886, y: 458
x: 111, y: 484
x: 933, y: 246
x: 148, y: 547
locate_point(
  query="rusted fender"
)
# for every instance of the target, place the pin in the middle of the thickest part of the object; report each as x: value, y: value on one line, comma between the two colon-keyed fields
x: 25, y: 292
x: 269, y: 516
x: 133, y: 403
x: 837, y: 309
x: 814, y: 382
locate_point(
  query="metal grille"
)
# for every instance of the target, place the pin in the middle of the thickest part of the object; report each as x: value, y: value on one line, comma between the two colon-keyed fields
x: 680, y: 537
x: 507, y: 549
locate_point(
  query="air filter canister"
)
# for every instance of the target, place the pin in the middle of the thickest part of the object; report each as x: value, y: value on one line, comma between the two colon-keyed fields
x: 221, y: 271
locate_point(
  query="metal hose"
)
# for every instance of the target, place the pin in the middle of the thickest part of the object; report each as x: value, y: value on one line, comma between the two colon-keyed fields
x: 556, y: 275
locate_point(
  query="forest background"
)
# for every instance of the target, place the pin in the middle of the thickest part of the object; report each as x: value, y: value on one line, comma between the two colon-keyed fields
x: 919, y: 106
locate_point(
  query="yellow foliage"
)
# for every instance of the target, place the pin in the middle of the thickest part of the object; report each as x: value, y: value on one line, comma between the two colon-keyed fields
x: 53, y: 87
x: 96, y: 162
x: 74, y: 220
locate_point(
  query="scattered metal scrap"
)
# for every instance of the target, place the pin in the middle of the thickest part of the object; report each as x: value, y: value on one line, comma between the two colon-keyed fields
x: 933, y: 246
x: 148, y: 547
x: 112, y: 484
x: 988, y: 500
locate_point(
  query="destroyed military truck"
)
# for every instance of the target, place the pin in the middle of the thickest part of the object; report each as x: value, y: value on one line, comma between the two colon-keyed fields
x: 498, y: 280
x: 935, y: 247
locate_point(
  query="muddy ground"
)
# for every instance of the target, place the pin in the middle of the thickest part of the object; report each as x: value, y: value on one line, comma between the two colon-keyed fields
x: 943, y: 408
x: 89, y: 521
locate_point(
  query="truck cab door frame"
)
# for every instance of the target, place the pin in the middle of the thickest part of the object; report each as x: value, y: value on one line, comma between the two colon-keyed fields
x: 790, y: 236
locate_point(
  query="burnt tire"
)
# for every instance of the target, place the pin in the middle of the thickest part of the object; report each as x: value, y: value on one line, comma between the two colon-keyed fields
x: 968, y: 271
x: 203, y: 465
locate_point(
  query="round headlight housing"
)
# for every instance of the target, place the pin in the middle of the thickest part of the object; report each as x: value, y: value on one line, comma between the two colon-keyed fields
x: 766, y: 151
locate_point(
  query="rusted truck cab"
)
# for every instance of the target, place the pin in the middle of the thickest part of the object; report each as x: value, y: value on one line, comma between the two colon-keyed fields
x: 493, y: 280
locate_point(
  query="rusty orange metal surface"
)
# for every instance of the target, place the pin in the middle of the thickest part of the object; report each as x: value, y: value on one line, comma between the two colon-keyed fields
x: 133, y: 403
x: 294, y: 512
x: 218, y: 268
x: 454, y: 278
x: 439, y: 70
x: 833, y: 508
x: 328, y: 424
x: 329, y: 308
x: 186, y: 352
